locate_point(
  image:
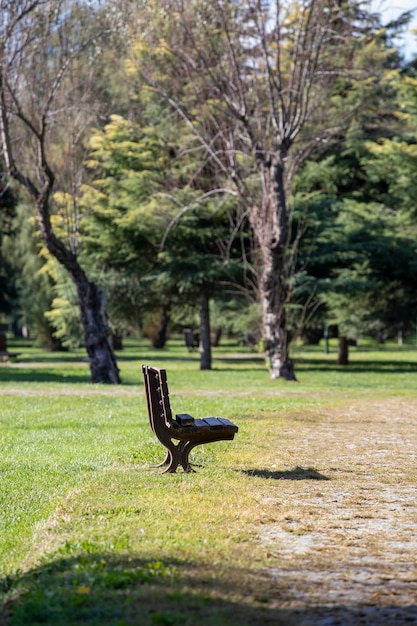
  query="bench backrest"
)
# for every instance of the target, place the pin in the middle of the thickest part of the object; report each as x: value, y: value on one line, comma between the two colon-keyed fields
x: 157, y: 399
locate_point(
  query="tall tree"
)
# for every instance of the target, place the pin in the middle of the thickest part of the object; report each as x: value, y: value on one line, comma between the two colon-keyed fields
x: 46, y: 100
x: 260, y: 84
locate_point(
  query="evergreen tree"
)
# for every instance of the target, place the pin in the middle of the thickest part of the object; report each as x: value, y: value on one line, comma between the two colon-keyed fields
x: 358, y: 252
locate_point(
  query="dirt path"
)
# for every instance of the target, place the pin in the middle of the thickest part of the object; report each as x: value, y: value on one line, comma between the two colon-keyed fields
x: 342, y: 539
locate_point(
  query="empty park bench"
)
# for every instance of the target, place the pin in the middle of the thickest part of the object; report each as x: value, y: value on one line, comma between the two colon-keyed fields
x: 190, y: 339
x: 5, y: 355
x: 184, y: 429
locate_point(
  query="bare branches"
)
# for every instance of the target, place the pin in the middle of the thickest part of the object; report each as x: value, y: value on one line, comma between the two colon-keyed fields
x: 14, y: 12
x: 6, y: 140
x: 41, y: 47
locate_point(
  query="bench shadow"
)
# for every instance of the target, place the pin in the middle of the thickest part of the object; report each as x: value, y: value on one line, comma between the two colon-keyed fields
x: 298, y: 473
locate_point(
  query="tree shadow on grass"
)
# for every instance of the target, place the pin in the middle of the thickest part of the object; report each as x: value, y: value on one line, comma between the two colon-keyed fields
x: 62, y: 375
x: 104, y: 590
x: 298, y: 473
x: 382, y: 367
x: 35, y: 375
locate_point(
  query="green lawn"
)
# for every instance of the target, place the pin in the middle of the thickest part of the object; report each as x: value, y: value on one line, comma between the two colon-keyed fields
x: 91, y: 534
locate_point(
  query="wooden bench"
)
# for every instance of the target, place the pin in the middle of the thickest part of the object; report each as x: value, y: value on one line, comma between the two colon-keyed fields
x: 184, y: 429
x: 5, y: 355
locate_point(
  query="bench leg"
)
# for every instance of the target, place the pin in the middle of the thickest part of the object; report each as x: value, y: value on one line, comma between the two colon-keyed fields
x: 164, y: 462
x: 177, y: 456
x: 184, y: 449
x: 172, y: 457
x: 173, y: 461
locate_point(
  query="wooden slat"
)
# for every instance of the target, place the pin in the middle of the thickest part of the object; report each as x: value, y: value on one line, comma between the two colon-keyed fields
x: 184, y: 419
x: 214, y: 423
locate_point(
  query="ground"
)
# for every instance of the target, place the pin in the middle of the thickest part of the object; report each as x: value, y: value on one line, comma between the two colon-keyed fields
x: 345, y: 550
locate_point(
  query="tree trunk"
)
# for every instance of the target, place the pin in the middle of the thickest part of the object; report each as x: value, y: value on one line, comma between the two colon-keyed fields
x: 97, y: 334
x: 160, y: 338
x: 343, y: 352
x: 270, y: 228
x: 274, y: 324
x: 215, y: 336
x: 205, y: 344
x: 117, y: 340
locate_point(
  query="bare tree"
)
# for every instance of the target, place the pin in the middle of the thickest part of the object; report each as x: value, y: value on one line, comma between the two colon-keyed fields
x: 45, y: 106
x: 255, y: 82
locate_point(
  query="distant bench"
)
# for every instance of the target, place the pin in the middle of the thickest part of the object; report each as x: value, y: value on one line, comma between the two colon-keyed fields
x: 189, y: 432
x: 5, y: 355
x: 191, y: 340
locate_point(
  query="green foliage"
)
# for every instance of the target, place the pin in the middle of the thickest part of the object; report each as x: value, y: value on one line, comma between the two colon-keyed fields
x: 354, y: 217
x: 148, y: 226
x: 34, y: 287
x: 360, y: 266
x: 128, y: 163
x: 393, y: 161
x: 64, y: 314
x: 237, y: 318
x: 159, y: 215
x: 122, y: 227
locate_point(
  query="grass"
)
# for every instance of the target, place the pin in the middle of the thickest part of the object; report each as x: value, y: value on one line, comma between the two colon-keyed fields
x: 91, y: 534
